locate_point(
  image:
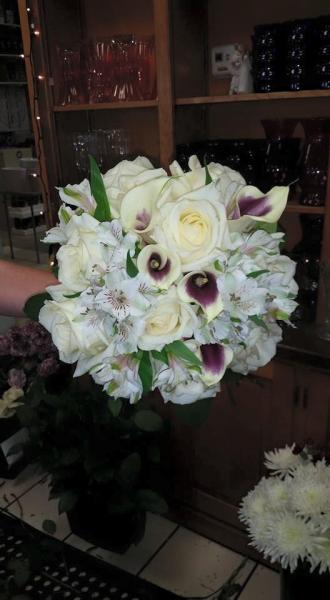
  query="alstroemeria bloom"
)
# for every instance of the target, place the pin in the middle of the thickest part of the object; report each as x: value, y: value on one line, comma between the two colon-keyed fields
x: 160, y: 266
x: 79, y: 195
x: 215, y: 359
x: 250, y: 205
x: 138, y: 205
x: 201, y: 287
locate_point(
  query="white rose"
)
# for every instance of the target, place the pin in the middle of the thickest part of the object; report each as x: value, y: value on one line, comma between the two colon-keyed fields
x: 57, y: 318
x: 167, y: 320
x: 228, y: 181
x: 194, y: 227
x: 126, y: 175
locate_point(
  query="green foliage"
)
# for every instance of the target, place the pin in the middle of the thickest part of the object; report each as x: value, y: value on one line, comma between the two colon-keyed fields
x: 258, y: 321
x: 147, y: 420
x: 255, y: 274
x: 268, y: 227
x: 93, y: 444
x: 194, y: 414
x: 34, y: 304
x: 145, y: 372
x: 102, y: 211
x: 180, y: 350
x: 49, y: 526
x: 131, y: 267
x: 160, y: 355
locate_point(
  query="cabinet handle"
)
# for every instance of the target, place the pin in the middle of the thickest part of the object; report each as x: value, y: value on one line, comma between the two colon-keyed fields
x: 305, y: 398
x: 296, y: 395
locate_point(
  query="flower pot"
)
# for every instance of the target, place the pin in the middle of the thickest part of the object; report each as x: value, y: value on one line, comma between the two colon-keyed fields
x: 90, y: 520
x: 303, y: 585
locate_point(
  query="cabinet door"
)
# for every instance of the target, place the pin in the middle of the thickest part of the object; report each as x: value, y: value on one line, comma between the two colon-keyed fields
x: 229, y: 446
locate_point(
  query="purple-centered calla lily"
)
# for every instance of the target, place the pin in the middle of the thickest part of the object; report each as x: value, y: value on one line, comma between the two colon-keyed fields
x: 159, y: 265
x: 215, y: 359
x: 250, y: 204
x: 201, y: 287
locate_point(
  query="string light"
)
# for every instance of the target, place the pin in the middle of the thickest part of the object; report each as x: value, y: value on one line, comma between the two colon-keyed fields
x: 22, y: 56
x: 38, y: 118
x: 36, y: 32
x: 41, y: 77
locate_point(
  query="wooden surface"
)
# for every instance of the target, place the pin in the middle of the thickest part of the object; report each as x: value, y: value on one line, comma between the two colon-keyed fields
x: 255, y: 97
x: 124, y: 105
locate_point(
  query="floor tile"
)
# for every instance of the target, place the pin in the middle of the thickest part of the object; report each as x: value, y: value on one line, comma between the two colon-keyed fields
x: 34, y: 507
x: 263, y: 585
x: 190, y: 565
x: 10, y: 489
x: 157, y: 531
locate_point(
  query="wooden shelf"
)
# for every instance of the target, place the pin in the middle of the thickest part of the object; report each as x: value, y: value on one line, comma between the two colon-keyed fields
x: 6, y: 55
x: 12, y: 25
x: 125, y: 104
x: 13, y: 82
x: 253, y: 97
x: 307, y: 210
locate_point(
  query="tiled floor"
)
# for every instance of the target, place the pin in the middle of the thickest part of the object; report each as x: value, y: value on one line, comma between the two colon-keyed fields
x: 170, y: 556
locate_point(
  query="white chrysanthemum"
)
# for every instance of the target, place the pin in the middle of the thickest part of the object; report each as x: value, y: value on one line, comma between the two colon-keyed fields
x: 290, y: 538
x: 311, y: 492
x: 321, y: 556
x: 283, y: 461
x: 255, y: 503
x: 278, y: 493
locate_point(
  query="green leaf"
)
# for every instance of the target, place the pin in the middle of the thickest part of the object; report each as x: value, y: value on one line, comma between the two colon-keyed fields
x: 150, y: 500
x: 130, y: 468
x: 34, y: 304
x: 258, y: 321
x: 180, y: 350
x: 131, y: 268
x: 63, y: 213
x: 268, y: 227
x: 102, y: 211
x: 76, y: 295
x: 115, y: 406
x: 145, y: 372
x: 255, y: 274
x: 217, y: 265
x: 148, y: 420
x: 49, y: 526
x: 67, y: 501
x: 235, y: 320
x: 194, y: 414
x: 208, y: 178
x: 72, y: 194
x: 160, y: 355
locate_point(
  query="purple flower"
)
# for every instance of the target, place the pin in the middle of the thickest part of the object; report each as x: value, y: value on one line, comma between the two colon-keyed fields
x: 48, y: 367
x: 4, y: 345
x: 16, y: 378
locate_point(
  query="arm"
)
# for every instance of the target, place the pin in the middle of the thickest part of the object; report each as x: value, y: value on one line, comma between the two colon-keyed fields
x: 18, y: 283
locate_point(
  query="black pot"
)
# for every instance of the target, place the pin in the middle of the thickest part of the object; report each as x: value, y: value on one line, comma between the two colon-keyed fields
x: 90, y: 520
x: 303, y: 585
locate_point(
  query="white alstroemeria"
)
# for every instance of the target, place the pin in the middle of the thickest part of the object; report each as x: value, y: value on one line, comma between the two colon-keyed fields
x: 256, y: 243
x: 116, y: 244
x: 126, y: 175
x: 59, y: 234
x: 79, y: 195
x: 124, y: 298
x: 180, y: 385
x: 9, y: 401
x: 60, y: 292
x: 258, y: 348
x: 241, y: 296
x: 160, y: 266
x: 201, y: 288
x: 120, y: 378
x: 250, y: 205
x: 95, y: 331
x: 194, y: 227
x: 167, y: 320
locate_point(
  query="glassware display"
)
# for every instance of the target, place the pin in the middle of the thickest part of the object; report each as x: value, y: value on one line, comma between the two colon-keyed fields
x: 116, y: 146
x: 267, y: 57
x: 315, y: 162
x: 109, y: 70
x: 282, y: 154
x: 323, y: 329
x: 321, y: 53
x: 297, y: 58
x: 107, y: 146
x: 307, y: 255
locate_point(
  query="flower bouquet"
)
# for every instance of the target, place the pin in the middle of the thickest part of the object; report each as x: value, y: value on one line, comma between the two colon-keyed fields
x: 168, y: 280
x: 26, y: 352
x: 288, y: 519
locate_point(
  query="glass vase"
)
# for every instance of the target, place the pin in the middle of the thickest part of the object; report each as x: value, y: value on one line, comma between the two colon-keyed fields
x: 323, y: 329
x: 315, y: 163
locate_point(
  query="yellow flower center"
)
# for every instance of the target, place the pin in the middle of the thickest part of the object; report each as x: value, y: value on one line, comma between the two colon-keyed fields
x: 193, y: 228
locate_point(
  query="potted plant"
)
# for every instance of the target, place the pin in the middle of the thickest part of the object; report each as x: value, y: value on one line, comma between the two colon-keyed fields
x: 104, y: 458
x: 288, y: 519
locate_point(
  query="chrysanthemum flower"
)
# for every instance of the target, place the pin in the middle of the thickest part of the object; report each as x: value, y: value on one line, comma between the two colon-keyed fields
x: 283, y: 461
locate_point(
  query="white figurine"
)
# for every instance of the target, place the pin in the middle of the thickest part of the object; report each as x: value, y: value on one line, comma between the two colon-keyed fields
x: 234, y: 68
x: 245, y: 84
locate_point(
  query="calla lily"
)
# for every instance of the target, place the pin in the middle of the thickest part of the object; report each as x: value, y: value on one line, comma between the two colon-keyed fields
x: 250, y: 204
x: 138, y: 205
x: 215, y: 359
x: 79, y: 195
x: 159, y: 265
x: 201, y: 287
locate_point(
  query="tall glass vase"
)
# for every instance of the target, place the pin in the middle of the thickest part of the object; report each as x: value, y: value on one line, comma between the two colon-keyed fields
x: 323, y: 329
